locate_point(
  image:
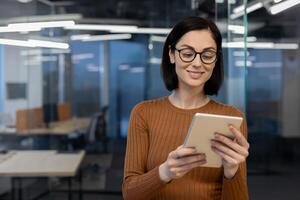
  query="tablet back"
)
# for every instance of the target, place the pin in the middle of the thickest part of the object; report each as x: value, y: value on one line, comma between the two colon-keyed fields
x: 202, y: 130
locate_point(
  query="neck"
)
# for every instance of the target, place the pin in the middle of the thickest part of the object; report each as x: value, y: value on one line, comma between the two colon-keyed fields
x: 188, y: 99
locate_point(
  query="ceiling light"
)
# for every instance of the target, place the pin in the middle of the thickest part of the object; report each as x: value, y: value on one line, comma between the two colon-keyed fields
x: 107, y: 37
x: 24, y: 1
x: 80, y: 37
x: 239, y: 11
x: 94, y: 27
x: 34, y: 43
x: 119, y: 29
x: 286, y: 46
x: 163, y: 31
x: 49, y: 44
x: 34, y: 26
x: 236, y: 29
x: 50, y: 24
x: 249, y: 39
x: 260, y: 45
x: 6, y: 29
x: 156, y: 38
x: 277, y: 8
x: 20, y: 43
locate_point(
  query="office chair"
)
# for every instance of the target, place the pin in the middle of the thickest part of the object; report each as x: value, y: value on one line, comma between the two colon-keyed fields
x: 96, y: 132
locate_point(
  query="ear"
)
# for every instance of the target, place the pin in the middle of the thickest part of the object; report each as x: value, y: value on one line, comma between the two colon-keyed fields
x: 171, y: 55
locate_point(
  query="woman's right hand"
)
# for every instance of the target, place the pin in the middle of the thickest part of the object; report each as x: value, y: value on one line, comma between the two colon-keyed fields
x: 179, y: 162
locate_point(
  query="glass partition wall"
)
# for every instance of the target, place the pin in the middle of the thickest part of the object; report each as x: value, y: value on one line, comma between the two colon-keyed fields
x: 70, y: 82
x: 59, y: 71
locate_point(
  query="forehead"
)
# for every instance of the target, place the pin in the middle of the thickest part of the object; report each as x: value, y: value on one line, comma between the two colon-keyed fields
x: 199, y: 39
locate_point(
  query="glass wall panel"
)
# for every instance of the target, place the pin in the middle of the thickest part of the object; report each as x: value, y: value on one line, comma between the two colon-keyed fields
x: 77, y: 93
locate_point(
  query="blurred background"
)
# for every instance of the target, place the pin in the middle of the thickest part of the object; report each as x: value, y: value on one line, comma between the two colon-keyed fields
x: 71, y: 71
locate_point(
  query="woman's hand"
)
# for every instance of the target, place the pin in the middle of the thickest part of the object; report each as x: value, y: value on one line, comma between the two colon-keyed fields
x: 232, y: 152
x: 180, y: 162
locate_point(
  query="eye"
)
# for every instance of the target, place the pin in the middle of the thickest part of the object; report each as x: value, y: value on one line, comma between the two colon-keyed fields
x: 187, y: 53
x: 208, y: 54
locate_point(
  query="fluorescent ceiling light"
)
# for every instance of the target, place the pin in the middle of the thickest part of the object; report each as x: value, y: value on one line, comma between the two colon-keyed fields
x: 34, y: 26
x: 49, y: 44
x: 163, y: 31
x: 42, y: 18
x: 87, y: 38
x: 260, y: 45
x: 277, y: 1
x: 286, y: 46
x: 94, y: 27
x: 156, y: 38
x: 80, y: 37
x: 34, y: 43
x: 237, y: 29
x: 24, y: 1
x: 119, y: 29
x: 249, y: 39
x: 239, y: 11
x: 108, y: 37
x: 277, y: 8
x: 50, y: 24
x: 20, y: 43
x: 6, y: 29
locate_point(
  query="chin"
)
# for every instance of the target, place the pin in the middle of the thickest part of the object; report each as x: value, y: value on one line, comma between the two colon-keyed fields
x: 194, y: 83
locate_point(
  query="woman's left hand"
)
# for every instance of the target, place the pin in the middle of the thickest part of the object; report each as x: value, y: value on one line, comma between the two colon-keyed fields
x: 232, y: 152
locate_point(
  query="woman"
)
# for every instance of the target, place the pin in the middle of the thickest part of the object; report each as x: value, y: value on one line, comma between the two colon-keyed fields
x: 157, y: 166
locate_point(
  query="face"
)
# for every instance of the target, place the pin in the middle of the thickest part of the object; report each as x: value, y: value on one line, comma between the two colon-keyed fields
x: 194, y: 73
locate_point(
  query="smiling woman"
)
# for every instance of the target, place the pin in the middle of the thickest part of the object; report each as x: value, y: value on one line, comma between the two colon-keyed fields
x: 157, y: 166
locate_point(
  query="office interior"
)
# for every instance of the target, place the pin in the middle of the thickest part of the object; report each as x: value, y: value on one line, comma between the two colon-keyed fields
x: 71, y: 71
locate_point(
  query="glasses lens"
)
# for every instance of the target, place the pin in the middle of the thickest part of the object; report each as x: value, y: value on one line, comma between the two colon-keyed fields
x: 208, y: 57
x: 187, y: 55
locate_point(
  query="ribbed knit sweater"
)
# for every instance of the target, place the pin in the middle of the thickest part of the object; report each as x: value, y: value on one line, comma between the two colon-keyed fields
x: 156, y: 128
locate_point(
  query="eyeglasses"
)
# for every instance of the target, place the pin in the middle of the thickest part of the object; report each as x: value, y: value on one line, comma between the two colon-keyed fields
x: 189, y: 54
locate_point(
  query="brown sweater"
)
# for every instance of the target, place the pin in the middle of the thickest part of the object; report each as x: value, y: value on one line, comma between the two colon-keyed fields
x: 156, y: 128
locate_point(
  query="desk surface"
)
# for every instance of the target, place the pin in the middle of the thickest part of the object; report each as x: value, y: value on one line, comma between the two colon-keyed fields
x: 40, y: 163
x: 62, y: 127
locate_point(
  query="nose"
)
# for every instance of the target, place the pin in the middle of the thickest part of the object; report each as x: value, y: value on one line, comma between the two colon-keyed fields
x: 197, y: 62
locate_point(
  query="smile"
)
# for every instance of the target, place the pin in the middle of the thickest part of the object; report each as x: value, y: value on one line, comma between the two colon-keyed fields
x: 195, y: 74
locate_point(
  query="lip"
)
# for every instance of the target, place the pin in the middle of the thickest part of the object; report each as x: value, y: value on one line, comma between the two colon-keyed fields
x: 196, y: 72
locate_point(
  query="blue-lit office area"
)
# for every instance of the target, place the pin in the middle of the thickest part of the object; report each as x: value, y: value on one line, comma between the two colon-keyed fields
x: 71, y: 71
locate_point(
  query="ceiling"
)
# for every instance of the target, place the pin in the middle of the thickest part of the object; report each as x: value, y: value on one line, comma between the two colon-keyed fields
x: 155, y: 13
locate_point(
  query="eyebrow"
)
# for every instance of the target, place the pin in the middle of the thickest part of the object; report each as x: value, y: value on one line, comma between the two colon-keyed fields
x: 205, y: 49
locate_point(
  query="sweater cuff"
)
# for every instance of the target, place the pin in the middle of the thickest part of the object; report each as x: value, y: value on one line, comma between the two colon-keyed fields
x: 235, y: 188
x: 156, y: 178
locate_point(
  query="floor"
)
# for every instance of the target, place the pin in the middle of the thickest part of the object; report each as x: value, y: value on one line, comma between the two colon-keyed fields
x: 103, y: 177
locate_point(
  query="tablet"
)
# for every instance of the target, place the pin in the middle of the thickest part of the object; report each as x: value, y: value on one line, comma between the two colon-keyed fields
x: 202, y: 130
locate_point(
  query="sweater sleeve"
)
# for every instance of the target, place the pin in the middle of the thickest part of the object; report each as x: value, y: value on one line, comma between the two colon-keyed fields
x: 236, y: 188
x: 138, y: 183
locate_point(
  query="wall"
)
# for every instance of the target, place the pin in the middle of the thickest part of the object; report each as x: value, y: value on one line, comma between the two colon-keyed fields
x: 22, y: 68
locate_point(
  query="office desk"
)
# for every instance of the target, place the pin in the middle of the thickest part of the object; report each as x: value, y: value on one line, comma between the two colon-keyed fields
x: 62, y: 127
x: 35, y: 164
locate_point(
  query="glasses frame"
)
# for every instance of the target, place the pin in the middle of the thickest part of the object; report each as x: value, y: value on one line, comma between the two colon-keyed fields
x: 196, y: 53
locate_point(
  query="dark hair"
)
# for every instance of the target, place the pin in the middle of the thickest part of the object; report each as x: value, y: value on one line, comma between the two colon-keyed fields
x: 188, y: 24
